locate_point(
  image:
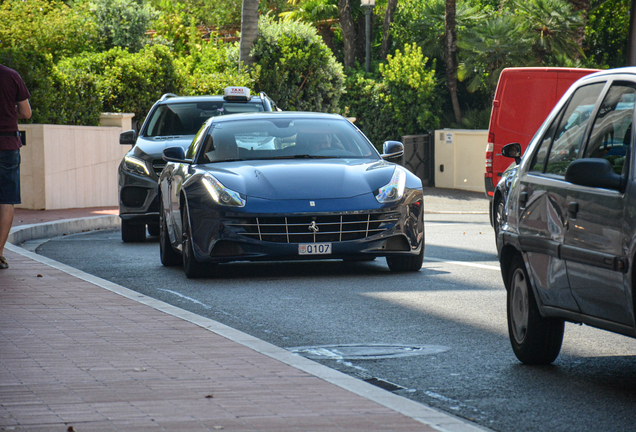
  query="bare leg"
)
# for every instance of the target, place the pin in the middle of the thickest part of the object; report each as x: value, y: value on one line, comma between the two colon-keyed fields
x: 6, y: 220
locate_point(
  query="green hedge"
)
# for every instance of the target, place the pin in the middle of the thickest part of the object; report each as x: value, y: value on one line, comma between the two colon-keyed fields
x: 127, y: 82
x: 296, y: 68
x: 56, y: 97
x: 211, y: 68
x: 402, y: 102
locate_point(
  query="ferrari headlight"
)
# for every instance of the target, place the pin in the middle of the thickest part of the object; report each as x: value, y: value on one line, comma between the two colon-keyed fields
x: 135, y: 165
x: 220, y: 194
x: 394, y: 190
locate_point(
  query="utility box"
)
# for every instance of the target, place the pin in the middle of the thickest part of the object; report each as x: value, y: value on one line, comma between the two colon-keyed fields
x: 459, y: 159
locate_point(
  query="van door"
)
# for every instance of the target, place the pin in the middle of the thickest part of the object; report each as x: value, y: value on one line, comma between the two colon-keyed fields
x: 594, y: 242
x: 542, y: 199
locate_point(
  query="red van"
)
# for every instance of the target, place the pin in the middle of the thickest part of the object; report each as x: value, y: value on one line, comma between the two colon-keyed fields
x: 523, y: 99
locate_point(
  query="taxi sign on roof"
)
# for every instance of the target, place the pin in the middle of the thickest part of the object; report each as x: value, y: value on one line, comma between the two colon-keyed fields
x: 237, y: 93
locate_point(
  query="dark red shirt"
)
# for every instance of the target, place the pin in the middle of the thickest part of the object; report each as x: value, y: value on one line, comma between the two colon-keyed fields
x: 12, y: 91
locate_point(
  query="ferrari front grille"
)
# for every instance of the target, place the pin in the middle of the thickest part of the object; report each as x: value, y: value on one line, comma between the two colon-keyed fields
x: 313, y: 228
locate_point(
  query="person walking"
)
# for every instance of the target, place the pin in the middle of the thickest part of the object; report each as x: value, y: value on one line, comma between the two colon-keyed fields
x: 14, y: 105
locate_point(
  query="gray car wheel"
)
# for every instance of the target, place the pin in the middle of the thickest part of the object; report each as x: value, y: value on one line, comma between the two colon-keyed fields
x: 499, y: 207
x: 192, y: 268
x: 534, y: 339
x: 169, y: 257
x: 407, y: 263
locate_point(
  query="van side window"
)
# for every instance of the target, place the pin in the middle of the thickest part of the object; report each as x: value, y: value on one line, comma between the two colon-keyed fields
x: 612, y: 131
x: 568, y: 137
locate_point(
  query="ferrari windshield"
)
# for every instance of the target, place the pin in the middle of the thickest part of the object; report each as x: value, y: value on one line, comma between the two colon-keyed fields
x: 280, y: 138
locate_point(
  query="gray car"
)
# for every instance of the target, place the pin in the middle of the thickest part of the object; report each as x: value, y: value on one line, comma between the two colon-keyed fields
x: 172, y: 121
x: 567, y: 241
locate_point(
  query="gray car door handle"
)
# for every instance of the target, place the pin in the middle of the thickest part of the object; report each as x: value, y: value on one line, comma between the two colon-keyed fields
x: 573, y: 209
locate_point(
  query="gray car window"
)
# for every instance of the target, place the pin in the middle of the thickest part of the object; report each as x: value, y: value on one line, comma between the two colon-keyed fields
x: 568, y: 137
x: 611, y: 134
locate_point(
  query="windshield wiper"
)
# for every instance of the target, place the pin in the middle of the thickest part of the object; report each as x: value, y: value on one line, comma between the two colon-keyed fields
x: 228, y: 160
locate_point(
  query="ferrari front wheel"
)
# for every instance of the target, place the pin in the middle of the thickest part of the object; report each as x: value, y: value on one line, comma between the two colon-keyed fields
x: 191, y: 266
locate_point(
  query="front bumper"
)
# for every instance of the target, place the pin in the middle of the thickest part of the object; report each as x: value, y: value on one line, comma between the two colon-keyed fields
x: 138, y: 198
x: 355, y: 231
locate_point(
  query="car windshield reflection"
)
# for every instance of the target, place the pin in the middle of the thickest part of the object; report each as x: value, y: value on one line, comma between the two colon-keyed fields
x: 279, y: 139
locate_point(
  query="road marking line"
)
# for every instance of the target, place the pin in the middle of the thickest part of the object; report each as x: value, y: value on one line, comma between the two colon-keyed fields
x: 464, y: 263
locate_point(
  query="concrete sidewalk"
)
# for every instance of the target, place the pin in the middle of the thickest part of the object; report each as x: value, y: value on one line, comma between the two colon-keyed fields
x: 81, y: 353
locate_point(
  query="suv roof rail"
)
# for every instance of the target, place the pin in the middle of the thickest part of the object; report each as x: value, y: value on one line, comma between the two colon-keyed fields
x: 166, y: 96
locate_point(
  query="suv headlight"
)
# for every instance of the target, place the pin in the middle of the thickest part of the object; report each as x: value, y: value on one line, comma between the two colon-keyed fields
x: 220, y: 194
x: 394, y: 190
x: 135, y: 165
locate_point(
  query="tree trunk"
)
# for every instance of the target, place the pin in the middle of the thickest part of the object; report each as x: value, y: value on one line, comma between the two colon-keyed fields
x: 451, y: 63
x: 249, y: 30
x: 584, y: 7
x: 348, y: 32
x: 631, y: 37
x: 386, y: 27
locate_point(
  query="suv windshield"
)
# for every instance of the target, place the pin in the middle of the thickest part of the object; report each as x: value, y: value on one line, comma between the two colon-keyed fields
x: 284, y: 139
x: 187, y: 118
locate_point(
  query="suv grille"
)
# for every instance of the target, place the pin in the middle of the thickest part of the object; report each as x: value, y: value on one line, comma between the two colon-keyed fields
x: 313, y: 228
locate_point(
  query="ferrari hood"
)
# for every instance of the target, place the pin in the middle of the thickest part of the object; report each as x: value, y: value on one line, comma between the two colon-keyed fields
x: 304, y: 179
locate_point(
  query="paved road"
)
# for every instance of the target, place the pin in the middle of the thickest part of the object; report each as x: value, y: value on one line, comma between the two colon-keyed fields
x: 446, y: 326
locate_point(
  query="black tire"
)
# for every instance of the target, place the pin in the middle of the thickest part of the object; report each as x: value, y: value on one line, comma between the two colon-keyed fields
x: 406, y: 263
x: 535, y: 340
x: 131, y: 233
x: 192, y: 268
x: 154, y: 229
x: 359, y: 259
x: 499, y: 208
x: 169, y: 257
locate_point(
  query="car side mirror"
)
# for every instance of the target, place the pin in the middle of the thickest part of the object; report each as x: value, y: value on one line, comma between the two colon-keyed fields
x: 593, y: 172
x: 392, y: 149
x: 175, y: 154
x: 513, y: 151
x: 128, y: 137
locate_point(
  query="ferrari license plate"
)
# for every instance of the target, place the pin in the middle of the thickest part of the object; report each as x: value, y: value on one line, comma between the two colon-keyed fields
x: 314, y: 249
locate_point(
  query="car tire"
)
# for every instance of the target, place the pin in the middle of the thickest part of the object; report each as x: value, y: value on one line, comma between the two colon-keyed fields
x: 359, y: 259
x: 192, y: 268
x: 499, y: 208
x: 535, y: 340
x: 407, y: 263
x: 169, y: 257
x: 131, y: 233
x: 154, y: 229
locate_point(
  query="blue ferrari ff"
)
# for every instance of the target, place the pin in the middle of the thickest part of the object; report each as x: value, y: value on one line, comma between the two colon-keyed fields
x: 287, y: 186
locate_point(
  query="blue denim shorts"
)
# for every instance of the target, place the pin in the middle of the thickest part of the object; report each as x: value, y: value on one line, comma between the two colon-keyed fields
x: 10, y: 177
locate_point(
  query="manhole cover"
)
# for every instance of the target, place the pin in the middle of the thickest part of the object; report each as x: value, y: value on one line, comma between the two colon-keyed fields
x: 365, y: 351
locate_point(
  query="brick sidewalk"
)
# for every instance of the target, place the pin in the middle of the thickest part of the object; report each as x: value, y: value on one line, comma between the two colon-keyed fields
x: 75, y: 354
x: 81, y: 354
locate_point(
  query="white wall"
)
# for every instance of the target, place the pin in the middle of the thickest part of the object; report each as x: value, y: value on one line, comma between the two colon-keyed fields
x: 71, y: 166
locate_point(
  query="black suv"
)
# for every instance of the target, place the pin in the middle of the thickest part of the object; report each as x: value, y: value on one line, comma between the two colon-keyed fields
x: 172, y: 121
x: 567, y: 242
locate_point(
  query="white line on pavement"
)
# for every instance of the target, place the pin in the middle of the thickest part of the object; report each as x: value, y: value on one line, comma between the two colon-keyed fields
x: 464, y: 263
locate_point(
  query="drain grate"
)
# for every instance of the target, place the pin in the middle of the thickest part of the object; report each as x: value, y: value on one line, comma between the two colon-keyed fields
x: 384, y: 384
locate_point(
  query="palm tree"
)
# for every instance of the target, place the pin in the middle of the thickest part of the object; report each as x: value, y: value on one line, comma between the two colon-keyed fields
x: 386, y: 27
x: 249, y: 30
x: 490, y: 47
x: 553, y: 26
x: 451, y: 62
x: 348, y: 33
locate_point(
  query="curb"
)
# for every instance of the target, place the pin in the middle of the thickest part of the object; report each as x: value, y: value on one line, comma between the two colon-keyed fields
x: 437, y: 419
x: 22, y: 233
